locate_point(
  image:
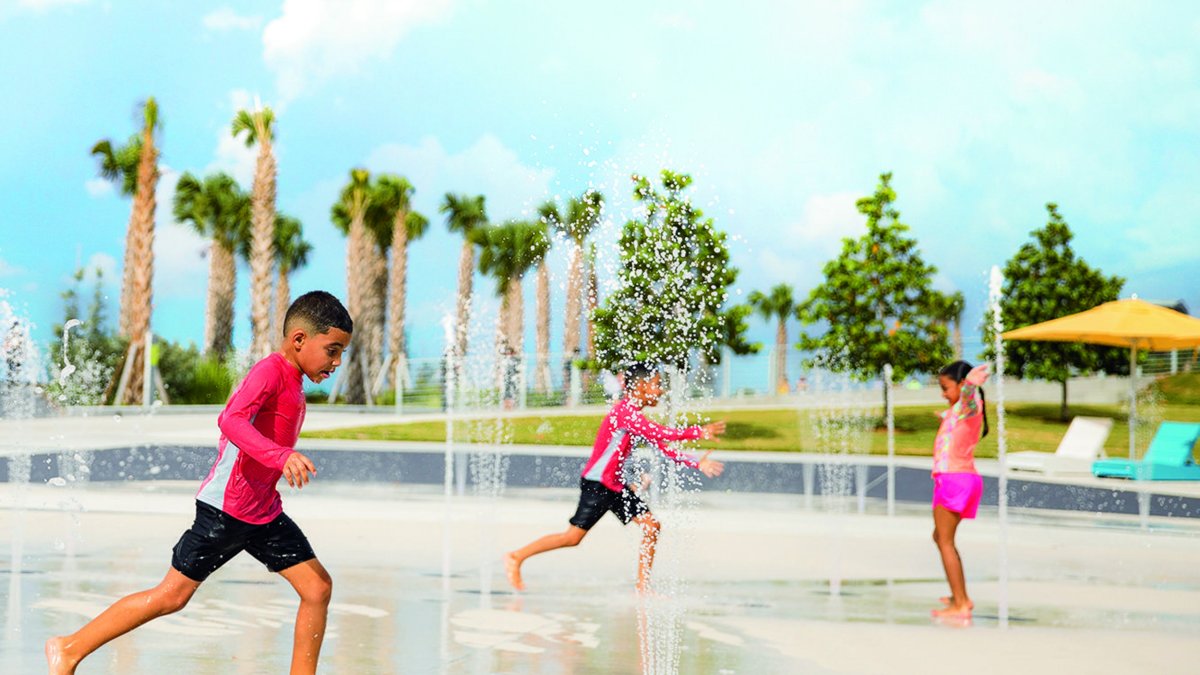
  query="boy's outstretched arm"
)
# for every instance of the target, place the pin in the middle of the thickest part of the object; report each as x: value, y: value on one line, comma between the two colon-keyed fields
x: 710, y: 467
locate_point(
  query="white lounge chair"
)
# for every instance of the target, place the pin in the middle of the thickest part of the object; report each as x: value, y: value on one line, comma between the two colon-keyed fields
x: 1080, y: 446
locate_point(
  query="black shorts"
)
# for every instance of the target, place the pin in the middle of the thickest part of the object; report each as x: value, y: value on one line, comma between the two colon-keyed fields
x: 215, y: 537
x: 595, y: 500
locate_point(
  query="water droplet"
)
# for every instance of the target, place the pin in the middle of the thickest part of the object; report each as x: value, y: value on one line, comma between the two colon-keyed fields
x: 57, y: 481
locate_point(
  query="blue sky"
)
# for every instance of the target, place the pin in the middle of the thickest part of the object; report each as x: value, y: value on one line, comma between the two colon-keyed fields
x: 785, y: 113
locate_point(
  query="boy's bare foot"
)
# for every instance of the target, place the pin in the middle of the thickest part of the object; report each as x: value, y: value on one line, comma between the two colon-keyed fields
x: 512, y: 568
x: 947, y: 601
x: 56, y: 657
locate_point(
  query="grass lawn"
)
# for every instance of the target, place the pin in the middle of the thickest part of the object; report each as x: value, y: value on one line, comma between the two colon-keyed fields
x: 1030, y: 427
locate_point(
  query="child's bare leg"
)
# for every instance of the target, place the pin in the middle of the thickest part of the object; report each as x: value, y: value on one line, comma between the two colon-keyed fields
x: 63, y: 653
x: 315, y: 587
x: 512, y: 561
x: 650, y: 529
x: 945, y: 526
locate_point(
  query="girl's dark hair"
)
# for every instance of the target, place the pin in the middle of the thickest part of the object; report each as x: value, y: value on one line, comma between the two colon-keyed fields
x: 957, y: 371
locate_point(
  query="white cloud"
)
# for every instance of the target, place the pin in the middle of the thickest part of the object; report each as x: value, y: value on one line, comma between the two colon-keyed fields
x: 7, y: 269
x: 232, y: 155
x: 226, y: 19
x: 316, y: 39
x: 103, y: 262
x: 825, y: 219
x: 487, y: 167
x: 98, y: 187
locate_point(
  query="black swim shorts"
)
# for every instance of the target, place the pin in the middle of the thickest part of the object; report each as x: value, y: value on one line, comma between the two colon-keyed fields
x: 595, y: 500
x: 215, y: 537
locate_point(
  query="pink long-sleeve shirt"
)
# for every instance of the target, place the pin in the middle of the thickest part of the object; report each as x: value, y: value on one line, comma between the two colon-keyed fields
x: 958, y: 434
x: 615, y: 437
x: 259, y: 428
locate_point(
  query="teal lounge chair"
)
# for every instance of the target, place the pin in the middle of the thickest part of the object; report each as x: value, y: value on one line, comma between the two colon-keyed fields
x: 1168, y: 458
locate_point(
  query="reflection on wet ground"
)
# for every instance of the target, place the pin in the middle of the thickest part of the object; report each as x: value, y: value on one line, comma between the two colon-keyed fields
x: 756, y: 598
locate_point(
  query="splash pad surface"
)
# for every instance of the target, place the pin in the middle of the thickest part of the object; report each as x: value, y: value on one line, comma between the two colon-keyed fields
x: 755, y: 598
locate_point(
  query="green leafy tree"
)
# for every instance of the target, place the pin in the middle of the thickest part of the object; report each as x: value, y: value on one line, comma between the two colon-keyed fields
x: 83, y: 362
x: 778, y: 304
x: 673, y: 283
x: 1045, y: 280
x: 877, y: 304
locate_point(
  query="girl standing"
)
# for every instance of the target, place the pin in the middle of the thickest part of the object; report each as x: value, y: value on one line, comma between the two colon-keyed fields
x: 957, y: 486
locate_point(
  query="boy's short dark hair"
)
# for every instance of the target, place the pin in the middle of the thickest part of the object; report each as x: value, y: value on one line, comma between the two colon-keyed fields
x: 636, y: 372
x: 319, y: 311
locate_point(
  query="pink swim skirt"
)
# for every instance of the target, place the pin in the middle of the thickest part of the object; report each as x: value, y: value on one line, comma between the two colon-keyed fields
x: 958, y: 492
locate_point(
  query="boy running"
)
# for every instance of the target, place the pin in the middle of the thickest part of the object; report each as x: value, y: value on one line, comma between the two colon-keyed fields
x: 601, y: 487
x: 238, y: 507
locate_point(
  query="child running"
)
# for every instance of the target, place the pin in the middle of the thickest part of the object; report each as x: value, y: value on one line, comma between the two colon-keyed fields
x: 601, y: 487
x: 238, y: 507
x: 957, y: 487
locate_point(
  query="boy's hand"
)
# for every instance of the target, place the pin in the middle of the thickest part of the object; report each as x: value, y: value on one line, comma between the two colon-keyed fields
x: 710, y: 467
x: 297, y: 468
x: 709, y: 432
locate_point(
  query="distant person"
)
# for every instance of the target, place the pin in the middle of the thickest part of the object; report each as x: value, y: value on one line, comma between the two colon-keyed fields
x: 600, y: 487
x: 957, y: 486
x: 510, y: 368
x: 238, y: 507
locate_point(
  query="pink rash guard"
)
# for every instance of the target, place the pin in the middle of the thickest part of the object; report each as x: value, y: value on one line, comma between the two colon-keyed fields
x: 259, y: 428
x: 615, y: 436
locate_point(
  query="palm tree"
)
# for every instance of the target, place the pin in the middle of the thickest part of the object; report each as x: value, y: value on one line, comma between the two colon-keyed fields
x: 779, y: 304
x: 120, y: 165
x: 509, y: 252
x: 258, y: 127
x: 291, y: 254
x: 349, y: 215
x: 465, y: 215
x: 393, y: 196
x: 141, y: 293
x: 583, y: 214
x: 548, y: 218
x: 218, y: 210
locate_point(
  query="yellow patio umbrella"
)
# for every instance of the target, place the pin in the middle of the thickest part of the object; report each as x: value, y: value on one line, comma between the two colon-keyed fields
x: 1128, y: 323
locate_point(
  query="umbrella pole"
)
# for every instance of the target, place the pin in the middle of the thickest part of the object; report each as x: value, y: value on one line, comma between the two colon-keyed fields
x: 1133, y: 401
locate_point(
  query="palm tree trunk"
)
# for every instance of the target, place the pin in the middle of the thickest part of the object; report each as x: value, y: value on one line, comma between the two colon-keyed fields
x: 283, y: 300
x: 781, y: 378
x: 127, y: 276
x: 542, y: 375
x: 516, y: 316
x: 376, y: 308
x: 398, y: 291
x: 355, y: 261
x: 466, y: 266
x: 574, y: 289
x: 218, y: 316
x: 593, y: 299
x: 261, y: 243
x: 141, y: 294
